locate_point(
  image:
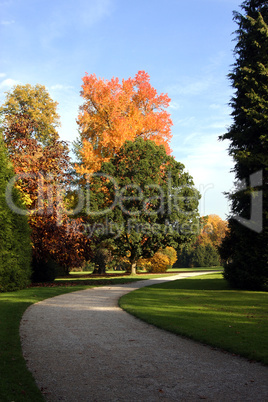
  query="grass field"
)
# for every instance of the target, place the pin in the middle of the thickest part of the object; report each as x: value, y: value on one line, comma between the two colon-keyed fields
x: 169, y: 271
x: 204, y: 309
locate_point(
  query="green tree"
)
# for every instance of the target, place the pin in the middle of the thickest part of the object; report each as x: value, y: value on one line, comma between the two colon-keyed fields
x: 15, y: 246
x: 246, y: 245
x: 149, y: 200
x: 198, y: 255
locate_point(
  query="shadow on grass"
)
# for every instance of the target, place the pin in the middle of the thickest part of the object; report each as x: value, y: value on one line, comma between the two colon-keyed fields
x: 202, y: 283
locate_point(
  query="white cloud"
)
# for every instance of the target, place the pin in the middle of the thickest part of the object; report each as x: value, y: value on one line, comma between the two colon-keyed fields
x: 60, y: 87
x: 7, y: 22
x: 174, y: 105
x: 191, y: 87
x: 8, y: 83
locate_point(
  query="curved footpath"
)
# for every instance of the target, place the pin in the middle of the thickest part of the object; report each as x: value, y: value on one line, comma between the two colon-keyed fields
x: 81, y: 347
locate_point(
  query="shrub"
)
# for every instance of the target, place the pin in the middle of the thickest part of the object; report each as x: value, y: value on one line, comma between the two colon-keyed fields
x: 144, y: 264
x: 171, y: 253
x: 159, y: 263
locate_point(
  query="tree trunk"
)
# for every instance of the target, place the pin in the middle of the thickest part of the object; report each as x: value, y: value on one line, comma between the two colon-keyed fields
x: 133, y: 268
x: 99, y: 270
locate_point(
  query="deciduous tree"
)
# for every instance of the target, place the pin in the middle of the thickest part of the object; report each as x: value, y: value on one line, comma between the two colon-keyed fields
x: 213, y: 231
x: 114, y: 112
x: 30, y: 113
x: 41, y: 162
x: 144, y: 201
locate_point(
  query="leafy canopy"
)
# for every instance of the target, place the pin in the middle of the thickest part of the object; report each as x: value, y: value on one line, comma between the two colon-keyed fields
x: 114, y: 112
x: 143, y: 201
x: 29, y: 112
x: 41, y: 161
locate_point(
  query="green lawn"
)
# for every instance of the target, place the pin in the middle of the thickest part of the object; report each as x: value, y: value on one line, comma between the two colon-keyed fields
x: 205, y: 309
x: 196, y: 269
x: 169, y: 271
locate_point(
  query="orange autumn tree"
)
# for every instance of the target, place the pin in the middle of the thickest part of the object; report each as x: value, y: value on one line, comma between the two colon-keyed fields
x: 114, y: 112
x: 213, y: 231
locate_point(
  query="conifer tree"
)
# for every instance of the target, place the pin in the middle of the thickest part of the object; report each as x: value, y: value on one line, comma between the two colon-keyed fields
x: 246, y: 246
x: 15, y: 246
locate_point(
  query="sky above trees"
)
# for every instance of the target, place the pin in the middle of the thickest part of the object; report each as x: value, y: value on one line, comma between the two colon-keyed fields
x: 185, y: 47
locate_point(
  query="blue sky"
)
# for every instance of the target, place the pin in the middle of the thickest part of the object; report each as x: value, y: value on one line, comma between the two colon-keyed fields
x: 185, y: 47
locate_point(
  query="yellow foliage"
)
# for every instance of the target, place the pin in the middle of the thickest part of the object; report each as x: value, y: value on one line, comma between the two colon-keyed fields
x: 159, y: 262
x: 213, y: 232
x: 171, y: 253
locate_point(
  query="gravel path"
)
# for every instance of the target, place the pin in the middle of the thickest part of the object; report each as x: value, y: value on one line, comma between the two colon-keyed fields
x: 81, y: 347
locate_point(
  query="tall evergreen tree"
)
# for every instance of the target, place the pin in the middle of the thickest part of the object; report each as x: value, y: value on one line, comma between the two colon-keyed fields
x: 15, y: 246
x: 246, y: 246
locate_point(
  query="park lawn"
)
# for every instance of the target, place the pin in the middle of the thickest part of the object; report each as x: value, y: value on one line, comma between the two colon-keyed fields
x: 195, y: 269
x: 16, y: 382
x: 81, y: 274
x: 205, y: 309
x: 89, y: 279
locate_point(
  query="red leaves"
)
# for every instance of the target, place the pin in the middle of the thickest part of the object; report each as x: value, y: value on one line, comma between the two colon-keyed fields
x: 42, y: 162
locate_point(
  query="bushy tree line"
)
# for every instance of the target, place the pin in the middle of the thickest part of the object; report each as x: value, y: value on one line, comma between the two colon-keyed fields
x: 147, y: 176
x: 15, y: 245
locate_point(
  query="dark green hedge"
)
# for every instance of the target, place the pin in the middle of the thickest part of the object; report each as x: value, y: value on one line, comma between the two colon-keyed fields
x: 15, y: 244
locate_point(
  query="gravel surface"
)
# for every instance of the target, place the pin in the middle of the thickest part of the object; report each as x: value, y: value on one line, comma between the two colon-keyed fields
x: 82, y: 347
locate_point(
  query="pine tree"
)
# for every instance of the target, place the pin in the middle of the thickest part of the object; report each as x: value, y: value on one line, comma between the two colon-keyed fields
x: 15, y: 246
x: 246, y: 246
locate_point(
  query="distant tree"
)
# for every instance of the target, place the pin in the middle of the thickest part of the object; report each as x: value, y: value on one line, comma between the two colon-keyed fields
x: 101, y: 258
x: 198, y: 255
x: 15, y: 245
x: 245, y: 248
x: 114, y: 112
x: 30, y: 113
x: 150, y: 201
x: 204, y: 251
x: 213, y: 230
x: 205, y: 256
